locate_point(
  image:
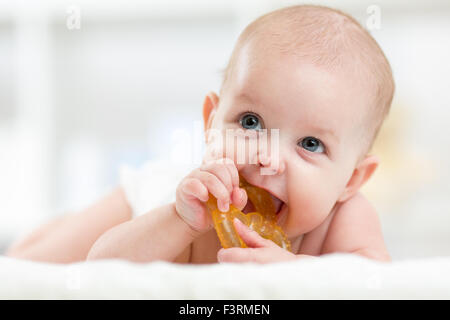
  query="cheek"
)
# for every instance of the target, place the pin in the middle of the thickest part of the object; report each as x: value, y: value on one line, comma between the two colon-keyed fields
x: 312, y: 194
x: 214, y: 144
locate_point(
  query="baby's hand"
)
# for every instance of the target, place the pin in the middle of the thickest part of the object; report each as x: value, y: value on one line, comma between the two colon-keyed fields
x: 221, y: 179
x: 259, y: 250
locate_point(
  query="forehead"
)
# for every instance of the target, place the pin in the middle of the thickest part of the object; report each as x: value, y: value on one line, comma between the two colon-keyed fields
x: 298, y: 91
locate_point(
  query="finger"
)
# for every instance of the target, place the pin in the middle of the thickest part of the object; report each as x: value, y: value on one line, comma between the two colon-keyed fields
x: 255, y: 255
x: 251, y: 238
x: 239, y: 198
x: 221, y: 171
x: 234, y: 174
x: 217, y: 189
x: 237, y: 255
x: 195, y: 188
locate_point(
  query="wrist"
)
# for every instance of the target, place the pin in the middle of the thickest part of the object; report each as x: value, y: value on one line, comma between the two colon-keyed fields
x: 192, y: 232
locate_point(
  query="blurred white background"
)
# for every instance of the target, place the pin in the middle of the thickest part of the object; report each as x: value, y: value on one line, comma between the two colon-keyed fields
x: 76, y: 103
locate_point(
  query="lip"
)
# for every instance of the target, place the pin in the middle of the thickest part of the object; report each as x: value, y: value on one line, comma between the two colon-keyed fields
x: 281, y: 216
x: 279, y: 203
x: 264, y: 188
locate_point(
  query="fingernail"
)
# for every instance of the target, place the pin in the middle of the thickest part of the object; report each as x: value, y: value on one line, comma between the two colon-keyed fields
x: 225, y: 207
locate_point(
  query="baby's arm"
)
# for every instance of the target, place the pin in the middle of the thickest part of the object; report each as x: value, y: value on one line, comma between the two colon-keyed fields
x: 160, y: 234
x: 355, y: 228
x: 164, y: 233
x: 69, y: 238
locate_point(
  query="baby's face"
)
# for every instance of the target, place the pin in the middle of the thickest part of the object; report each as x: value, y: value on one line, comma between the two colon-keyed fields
x: 319, y: 116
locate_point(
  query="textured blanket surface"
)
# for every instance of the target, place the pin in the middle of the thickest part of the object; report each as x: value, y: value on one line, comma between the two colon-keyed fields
x: 335, y: 276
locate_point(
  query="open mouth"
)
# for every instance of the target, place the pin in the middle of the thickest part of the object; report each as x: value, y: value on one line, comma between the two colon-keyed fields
x: 277, y: 203
x: 249, y: 207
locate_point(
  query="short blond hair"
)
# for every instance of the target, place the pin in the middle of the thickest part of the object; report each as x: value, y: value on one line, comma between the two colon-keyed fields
x: 326, y: 37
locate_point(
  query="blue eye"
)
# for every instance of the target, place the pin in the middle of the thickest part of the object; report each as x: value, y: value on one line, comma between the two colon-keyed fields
x: 312, y: 145
x: 250, y: 121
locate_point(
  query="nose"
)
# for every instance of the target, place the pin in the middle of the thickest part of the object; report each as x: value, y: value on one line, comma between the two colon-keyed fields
x: 271, y: 164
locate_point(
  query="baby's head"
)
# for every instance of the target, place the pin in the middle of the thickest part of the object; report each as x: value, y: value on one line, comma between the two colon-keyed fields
x: 316, y: 75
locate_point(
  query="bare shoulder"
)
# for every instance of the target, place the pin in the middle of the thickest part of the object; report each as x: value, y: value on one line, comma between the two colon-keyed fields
x: 357, y: 207
x: 355, y: 227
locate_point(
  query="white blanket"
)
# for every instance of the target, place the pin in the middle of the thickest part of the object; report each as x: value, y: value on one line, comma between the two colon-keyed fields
x: 336, y: 276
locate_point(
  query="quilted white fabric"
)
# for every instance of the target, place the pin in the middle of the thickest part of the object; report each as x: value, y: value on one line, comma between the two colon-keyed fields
x: 336, y: 276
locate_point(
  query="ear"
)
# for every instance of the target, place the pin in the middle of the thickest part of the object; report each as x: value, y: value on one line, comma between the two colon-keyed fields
x: 360, y: 175
x: 209, y: 108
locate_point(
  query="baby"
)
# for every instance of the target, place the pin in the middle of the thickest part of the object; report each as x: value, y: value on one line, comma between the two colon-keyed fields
x: 316, y: 75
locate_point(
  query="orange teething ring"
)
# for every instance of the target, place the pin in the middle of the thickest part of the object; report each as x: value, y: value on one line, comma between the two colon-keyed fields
x: 262, y: 221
